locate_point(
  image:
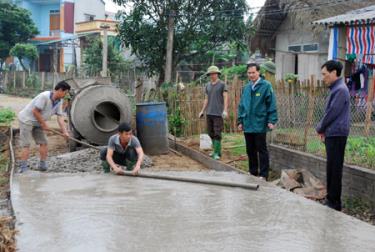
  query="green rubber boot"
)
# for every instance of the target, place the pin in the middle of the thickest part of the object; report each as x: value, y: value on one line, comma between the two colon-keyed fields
x: 213, y: 149
x: 106, y: 167
x: 219, y: 147
x: 130, y: 165
x: 216, y: 155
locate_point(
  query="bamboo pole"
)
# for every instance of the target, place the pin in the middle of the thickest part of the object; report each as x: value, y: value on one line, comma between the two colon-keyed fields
x: 23, y: 79
x: 6, y: 81
x: 14, y: 80
x: 43, y: 79
x: 369, y: 109
x: 310, y: 111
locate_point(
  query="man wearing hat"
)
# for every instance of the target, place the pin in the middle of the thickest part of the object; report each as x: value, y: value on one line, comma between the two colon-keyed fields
x: 216, y: 107
x: 269, y: 71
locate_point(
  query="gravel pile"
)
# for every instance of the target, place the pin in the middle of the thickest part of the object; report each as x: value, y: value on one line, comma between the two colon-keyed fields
x: 86, y: 160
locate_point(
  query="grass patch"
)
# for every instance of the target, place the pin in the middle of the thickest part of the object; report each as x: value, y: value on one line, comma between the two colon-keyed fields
x: 3, y: 163
x: 6, y: 116
x: 359, y: 150
x: 235, y: 143
x: 359, y: 208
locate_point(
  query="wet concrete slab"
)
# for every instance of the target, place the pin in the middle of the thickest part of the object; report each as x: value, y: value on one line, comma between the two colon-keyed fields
x: 103, y: 212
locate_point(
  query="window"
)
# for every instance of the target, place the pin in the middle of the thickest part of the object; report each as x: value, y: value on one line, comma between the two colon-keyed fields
x: 294, y: 48
x: 311, y: 47
x: 54, y: 23
x: 304, y: 48
x: 89, y: 17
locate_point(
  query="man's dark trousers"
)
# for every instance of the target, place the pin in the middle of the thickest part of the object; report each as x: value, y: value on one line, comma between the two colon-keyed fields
x: 126, y: 159
x: 335, y: 149
x: 215, y: 125
x: 256, y: 143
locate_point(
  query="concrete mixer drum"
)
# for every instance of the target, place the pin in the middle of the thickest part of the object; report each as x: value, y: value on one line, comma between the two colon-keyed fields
x: 96, y: 111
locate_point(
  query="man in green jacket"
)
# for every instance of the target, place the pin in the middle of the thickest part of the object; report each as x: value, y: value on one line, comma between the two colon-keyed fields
x: 257, y: 114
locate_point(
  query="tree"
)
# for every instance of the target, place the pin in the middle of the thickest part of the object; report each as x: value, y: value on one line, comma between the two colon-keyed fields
x: 16, y: 26
x: 24, y: 51
x: 92, y: 58
x: 199, y: 25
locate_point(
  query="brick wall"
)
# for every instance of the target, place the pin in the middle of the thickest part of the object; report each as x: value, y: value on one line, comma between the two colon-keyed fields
x: 357, y: 182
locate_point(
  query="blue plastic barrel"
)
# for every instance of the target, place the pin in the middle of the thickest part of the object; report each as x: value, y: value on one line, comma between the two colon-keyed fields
x: 152, y: 127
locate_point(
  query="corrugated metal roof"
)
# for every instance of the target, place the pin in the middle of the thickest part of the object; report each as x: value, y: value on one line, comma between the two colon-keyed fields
x: 37, y: 43
x: 366, y: 15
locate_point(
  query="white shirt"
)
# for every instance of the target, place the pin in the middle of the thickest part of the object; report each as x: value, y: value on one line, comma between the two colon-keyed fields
x: 253, y: 86
x: 47, y: 108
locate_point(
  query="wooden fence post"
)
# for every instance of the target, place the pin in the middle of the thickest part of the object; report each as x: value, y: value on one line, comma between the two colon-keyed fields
x: 23, y: 79
x: 43, y: 80
x: 6, y: 81
x: 139, y: 90
x: 234, y: 101
x: 310, y: 110
x: 370, y: 99
x: 190, y: 114
x: 14, y: 80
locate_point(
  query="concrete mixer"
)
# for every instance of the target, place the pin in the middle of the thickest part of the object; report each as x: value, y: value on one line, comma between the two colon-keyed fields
x: 96, y: 111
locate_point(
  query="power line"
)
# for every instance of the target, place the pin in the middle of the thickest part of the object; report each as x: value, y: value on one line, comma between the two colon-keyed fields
x: 261, y: 12
x: 280, y: 10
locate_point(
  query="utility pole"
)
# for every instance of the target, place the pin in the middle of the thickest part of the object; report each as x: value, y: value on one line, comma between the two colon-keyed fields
x: 105, y: 27
x: 168, y: 63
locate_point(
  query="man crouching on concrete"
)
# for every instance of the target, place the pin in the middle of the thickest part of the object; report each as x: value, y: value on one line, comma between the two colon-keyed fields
x: 123, y: 149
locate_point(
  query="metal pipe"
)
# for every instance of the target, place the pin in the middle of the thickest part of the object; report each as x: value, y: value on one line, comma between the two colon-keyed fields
x: 75, y: 140
x: 192, y: 180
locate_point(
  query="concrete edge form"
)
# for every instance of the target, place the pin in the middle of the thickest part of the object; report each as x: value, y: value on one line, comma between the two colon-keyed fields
x: 201, y: 158
x: 11, y: 169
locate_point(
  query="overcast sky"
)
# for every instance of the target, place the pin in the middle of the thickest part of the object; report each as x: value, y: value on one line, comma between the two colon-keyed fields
x: 110, y: 6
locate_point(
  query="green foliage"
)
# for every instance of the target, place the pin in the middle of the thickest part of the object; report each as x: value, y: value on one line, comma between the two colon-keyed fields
x: 24, y: 51
x: 16, y: 26
x: 92, y: 58
x: 200, y: 26
x: 6, y: 115
x: 175, y: 119
x: 362, y: 150
x: 239, y: 70
x: 355, y: 206
x: 359, y: 150
x: 33, y: 81
x: 290, y: 77
x: 176, y: 123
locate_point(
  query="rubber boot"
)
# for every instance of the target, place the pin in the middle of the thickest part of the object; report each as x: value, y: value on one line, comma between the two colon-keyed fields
x: 130, y: 165
x: 43, y: 165
x: 216, y: 144
x: 106, y: 167
x: 213, y: 149
x: 219, y: 148
x: 23, y: 166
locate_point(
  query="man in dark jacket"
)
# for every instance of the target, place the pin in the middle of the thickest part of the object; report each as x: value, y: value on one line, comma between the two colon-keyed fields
x: 333, y: 129
x: 257, y: 114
